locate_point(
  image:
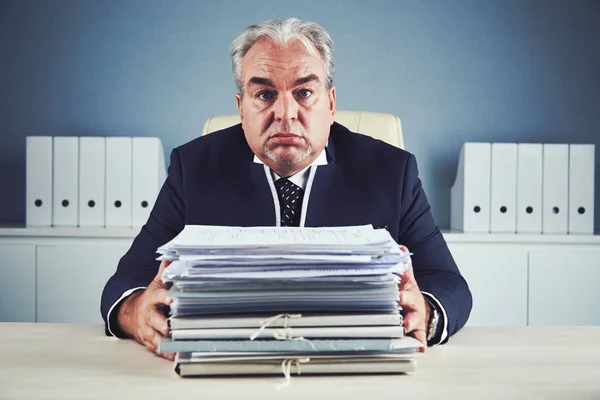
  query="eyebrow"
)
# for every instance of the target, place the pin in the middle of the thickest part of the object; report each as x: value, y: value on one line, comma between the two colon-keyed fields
x: 261, y: 81
x: 255, y: 80
x: 306, y: 79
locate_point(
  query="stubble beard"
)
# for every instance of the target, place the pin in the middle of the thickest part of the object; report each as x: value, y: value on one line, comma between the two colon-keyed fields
x: 296, y: 158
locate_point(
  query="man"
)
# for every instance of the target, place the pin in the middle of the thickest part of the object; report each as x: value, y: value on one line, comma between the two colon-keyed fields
x: 288, y: 141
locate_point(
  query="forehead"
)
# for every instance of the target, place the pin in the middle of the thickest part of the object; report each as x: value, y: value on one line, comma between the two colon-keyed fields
x: 269, y: 59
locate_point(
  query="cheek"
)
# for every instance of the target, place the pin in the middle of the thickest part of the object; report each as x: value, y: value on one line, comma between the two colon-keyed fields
x: 316, y: 113
x: 255, y: 123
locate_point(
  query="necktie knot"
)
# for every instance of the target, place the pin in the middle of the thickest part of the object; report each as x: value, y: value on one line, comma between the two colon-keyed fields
x: 290, y: 201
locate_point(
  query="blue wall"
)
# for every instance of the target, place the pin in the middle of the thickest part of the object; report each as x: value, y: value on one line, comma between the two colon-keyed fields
x: 454, y: 71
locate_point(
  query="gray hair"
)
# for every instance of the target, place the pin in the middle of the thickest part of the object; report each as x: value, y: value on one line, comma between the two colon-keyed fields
x: 311, y: 34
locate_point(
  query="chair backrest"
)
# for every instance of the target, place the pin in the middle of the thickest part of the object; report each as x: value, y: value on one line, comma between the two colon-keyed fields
x: 386, y: 127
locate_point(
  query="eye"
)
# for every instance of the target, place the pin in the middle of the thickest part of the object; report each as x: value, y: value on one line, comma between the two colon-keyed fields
x: 304, y: 93
x: 265, y: 96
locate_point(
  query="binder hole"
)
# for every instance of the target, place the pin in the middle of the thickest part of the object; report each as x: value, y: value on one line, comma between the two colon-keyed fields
x: 503, y: 210
x: 555, y: 210
x: 581, y: 210
x: 144, y: 204
x: 65, y: 203
x: 118, y: 203
x: 477, y: 209
x: 38, y: 203
x: 529, y: 210
x: 91, y: 203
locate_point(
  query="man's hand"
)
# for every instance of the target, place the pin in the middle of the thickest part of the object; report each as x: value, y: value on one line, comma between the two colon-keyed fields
x: 142, y: 314
x: 415, y: 308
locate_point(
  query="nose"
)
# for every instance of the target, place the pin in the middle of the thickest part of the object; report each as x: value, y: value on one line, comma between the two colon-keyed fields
x: 286, y: 108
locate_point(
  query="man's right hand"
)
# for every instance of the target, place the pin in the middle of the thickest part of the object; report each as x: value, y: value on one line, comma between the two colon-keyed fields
x: 142, y: 315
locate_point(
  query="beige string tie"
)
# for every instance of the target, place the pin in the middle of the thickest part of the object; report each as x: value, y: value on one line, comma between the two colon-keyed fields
x: 286, y: 367
x: 265, y: 323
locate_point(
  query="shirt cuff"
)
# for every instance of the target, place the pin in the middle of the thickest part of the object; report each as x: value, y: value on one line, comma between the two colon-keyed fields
x: 116, y: 305
x: 443, y: 316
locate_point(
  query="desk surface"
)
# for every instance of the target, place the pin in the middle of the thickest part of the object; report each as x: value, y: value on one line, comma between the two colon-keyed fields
x: 69, y: 361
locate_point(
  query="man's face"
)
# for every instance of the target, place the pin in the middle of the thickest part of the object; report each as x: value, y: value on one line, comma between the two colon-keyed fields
x: 286, y: 109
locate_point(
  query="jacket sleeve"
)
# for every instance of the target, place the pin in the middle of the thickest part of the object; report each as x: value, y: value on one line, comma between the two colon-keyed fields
x: 435, y: 270
x: 139, y: 266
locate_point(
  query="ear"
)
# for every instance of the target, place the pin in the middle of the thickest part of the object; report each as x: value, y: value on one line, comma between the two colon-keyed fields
x: 332, y: 100
x: 238, y: 100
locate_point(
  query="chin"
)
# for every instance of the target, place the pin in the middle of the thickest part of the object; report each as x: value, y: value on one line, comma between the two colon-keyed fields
x: 286, y: 158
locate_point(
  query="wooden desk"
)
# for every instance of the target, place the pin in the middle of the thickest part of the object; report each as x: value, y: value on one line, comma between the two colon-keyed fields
x: 68, y: 361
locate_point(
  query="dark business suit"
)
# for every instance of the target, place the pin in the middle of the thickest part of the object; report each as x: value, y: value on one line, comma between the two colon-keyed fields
x: 214, y: 181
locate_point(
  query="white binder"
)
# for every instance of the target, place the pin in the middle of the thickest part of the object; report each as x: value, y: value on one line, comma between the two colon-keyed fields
x: 503, y: 199
x: 66, y: 181
x: 92, y: 172
x: 148, y: 173
x: 555, y: 192
x: 581, y: 188
x: 38, y: 180
x: 529, y: 188
x: 118, y: 181
x: 470, y: 194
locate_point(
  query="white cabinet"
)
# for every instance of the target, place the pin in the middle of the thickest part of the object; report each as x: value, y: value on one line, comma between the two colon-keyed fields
x: 70, y: 281
x: 17, y: 283
x: 564, y: 288
x: 498, y: 283
x: 521, y: 279
x: 57, y: 275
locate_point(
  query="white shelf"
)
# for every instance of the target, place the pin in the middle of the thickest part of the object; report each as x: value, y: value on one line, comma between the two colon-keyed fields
x: 518, y: 238
x: 69, y: 232
x: 450, y: 236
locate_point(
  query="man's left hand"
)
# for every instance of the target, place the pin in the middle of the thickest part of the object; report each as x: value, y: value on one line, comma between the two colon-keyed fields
x: 414, y: 306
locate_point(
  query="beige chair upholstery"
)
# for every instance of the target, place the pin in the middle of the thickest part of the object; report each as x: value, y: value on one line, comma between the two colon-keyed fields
x: 386, y: 127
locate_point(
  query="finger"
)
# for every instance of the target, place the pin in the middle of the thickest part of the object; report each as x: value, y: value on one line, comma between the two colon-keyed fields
x: 421, y: 337
x: 160, y: 296
x: 168, y: 356
x: 157, y: 321
x: 156, y: 339
x: 150, y: 338
x: 416, y: 329
x: 414, y: 321
x: 412, y: 300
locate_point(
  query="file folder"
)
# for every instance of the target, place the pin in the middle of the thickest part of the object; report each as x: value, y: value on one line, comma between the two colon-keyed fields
x: 555, y: 192
x: 581, y: 188
x: 148, y: 174
x: 38, y: 180
x: 118, y: 181
x: 503, y: 217
x: 66, y: 181
x: 470, y: 194
x: 529, y: 188
x: 92, y: 172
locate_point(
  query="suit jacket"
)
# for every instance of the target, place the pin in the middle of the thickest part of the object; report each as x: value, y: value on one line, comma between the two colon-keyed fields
x: 213, y: 180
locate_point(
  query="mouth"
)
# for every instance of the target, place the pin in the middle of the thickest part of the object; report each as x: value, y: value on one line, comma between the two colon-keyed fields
x: 286, y: 138
x: 285, y: 135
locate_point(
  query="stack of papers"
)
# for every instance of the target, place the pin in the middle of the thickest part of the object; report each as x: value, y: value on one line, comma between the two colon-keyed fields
x: 266, y: 300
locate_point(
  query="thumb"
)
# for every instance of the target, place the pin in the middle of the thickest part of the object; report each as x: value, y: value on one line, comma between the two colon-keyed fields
x: 163, y: 265
x: 408, y: 274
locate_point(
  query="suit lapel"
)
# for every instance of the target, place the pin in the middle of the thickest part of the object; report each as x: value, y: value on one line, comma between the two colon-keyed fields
x: 239, y: 194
